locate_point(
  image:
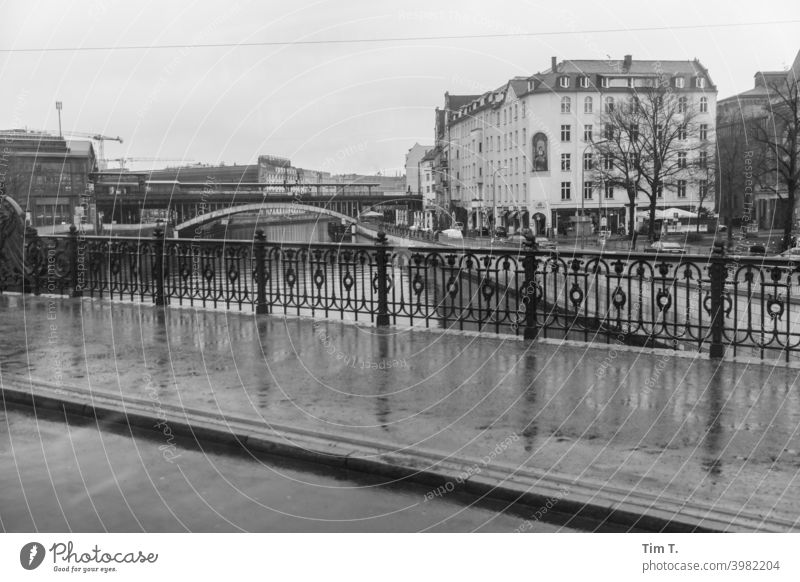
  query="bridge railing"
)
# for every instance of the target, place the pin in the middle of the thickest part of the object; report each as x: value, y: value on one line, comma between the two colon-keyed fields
x: 715, y: 304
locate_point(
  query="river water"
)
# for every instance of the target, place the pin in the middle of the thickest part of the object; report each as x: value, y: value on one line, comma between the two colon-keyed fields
x: 304, y: 230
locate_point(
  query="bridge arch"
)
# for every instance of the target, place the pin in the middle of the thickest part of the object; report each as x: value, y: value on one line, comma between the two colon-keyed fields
x: 231, y: 210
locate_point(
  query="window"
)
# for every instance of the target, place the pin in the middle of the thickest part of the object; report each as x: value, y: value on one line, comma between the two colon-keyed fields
x: 703, y: 131
x: 609, y: 131
x: 588, y: 161
x: 700, y: 82
x: 682, y: 101
x: 515, y: 111
x: 634, y: 132
x: 659, y: 132
x: 587, y: 133
x: 703, y: 162
x: 566, y: 163
x: 703, y: 104
x: 563, y: 82
x: 566, y: 190
x: 679, y: 82
x: 703, y: 189
x: 524, y: 137
x: 682, y: 132
x: 609, y: 104
x: 524, y: 190
x: 523, y: 110
x: 608, y: 163
x: 566, y: 133
x: 633, y: 159
x: 588, y: 104
x: 659, y: 191
x: 584, y: 82
x: 604, y: 82
x: 587, y: 190
x: 681, y: 188
x: 609, y: 191
x: 505, y: 113
x: 682, y: 160
x: 480, y: 146
x: 566, y: 105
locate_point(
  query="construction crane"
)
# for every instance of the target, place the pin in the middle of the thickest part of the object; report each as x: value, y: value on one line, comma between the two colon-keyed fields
x: 100, y: 139
x: 122, y: 161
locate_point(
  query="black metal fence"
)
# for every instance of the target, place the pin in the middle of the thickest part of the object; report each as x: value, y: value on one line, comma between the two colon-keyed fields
x: 714, y: 304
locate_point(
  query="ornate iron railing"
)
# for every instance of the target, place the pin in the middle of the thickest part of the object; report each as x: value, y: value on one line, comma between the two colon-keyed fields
x: 713, y: 303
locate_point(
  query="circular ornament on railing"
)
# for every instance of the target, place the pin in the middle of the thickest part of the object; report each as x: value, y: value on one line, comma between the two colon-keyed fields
x: 618, y: 298
x: 663, y: 300
x: 775, y: 308
x: 418, y: 285
x: 291, y: 278
x: 452, y: 287
x: 347, y: 281
x: 576, y: 294
x: 319, y: 279
x: 185, y: 271
x: 487, y: 290
x: 208, y: 273
x: 115, y: 267
x: 233, y: 274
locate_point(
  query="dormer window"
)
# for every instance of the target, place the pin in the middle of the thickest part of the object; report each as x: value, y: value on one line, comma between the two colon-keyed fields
x: 604, y: 82
x: 584, y: 82
x: 679, y: 82
x: 700, y: 82
x: 563, y: 82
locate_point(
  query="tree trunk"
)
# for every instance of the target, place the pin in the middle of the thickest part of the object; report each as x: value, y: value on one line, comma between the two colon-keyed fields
x: 631, y: 214
x: 651, y: 218
x: 788, y: 222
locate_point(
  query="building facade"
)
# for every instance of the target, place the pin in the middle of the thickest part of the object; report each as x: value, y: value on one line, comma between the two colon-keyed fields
x: 743, y: 200
x: 48, y: 176
x: 517, y: 156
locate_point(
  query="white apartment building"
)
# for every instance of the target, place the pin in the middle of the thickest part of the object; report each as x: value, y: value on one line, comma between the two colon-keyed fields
x: 518, y: 152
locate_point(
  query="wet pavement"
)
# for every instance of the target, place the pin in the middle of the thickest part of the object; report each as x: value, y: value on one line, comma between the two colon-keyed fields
x: 73, y: 475
x: 682, y: 427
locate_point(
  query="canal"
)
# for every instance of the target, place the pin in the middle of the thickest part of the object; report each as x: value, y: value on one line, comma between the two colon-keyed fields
x: 307, y: 228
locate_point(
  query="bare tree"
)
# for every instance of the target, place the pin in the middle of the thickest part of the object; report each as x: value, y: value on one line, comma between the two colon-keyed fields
x: 652, y: 143
x: 778, y: 160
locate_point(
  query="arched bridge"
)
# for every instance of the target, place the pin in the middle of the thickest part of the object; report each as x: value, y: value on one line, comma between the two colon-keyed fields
x: 276, y: 207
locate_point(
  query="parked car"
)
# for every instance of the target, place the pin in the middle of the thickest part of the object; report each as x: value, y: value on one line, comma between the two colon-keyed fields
x: 500, y: 232
x: 757, y: 249
x: 451, y: 234
x: 793, y: 253
x: 545, y: 243
x: 458, y: 226
x: 661, y: 246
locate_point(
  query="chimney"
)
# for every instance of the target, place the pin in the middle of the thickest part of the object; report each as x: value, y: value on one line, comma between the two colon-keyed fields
x: 626, y: 65
x: 553, y: 64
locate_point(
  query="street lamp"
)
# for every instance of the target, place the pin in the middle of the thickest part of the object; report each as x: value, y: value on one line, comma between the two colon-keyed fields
x: 494, y: 197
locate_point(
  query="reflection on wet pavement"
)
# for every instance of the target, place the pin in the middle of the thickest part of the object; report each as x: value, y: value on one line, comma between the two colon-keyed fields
x: 683, y: 427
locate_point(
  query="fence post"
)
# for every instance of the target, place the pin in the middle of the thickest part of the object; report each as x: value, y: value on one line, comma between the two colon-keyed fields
x: 158, y: 264
x: 382, y: 319
x: 260, y: 244
x: 74, y: 260
x: 718, y: 271
x: 530, y: 295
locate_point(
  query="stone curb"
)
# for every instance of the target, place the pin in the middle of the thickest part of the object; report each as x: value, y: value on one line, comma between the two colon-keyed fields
x: 534, y: 489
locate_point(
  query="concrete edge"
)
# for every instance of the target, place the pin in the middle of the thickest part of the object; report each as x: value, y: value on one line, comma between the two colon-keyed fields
x: 626, y: 510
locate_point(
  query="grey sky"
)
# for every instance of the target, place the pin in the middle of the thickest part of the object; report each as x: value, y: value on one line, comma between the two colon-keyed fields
x: 339, y: 107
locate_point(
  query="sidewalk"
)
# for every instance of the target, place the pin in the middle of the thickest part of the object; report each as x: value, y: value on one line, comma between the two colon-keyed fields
x: 658, y: 435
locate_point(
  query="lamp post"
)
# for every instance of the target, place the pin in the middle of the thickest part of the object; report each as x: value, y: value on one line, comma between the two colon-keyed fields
x: 494, y: 197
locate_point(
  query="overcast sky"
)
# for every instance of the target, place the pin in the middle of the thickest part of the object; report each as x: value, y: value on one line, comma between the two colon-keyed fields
x: 340, y: 107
